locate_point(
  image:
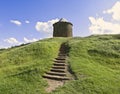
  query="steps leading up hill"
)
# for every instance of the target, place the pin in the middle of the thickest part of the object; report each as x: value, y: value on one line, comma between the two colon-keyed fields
x: 59, y: 70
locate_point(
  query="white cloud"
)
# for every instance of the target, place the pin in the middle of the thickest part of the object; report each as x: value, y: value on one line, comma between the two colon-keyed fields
x: 100, y: 26
x: 115, y: 11
x: 27, y: 21
x: 26, y: 40
x: 1, y: 47
x: 12, y: 41
x: 45, y: 26
x: 16, y: 22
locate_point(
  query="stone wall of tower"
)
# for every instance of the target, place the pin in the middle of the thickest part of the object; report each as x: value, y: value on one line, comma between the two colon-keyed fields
x: 62, y: 29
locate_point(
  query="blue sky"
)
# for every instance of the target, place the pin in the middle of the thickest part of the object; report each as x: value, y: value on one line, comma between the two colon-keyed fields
x: 23, y: 21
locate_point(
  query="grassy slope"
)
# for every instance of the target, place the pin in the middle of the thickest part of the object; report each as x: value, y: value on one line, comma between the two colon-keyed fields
x: 95, y: 61
x: 21, y: 68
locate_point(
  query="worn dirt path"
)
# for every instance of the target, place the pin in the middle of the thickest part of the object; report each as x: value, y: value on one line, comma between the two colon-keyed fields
x: 53, y: 84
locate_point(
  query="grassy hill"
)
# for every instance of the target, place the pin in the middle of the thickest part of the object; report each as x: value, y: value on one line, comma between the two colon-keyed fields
x: 94, y: 60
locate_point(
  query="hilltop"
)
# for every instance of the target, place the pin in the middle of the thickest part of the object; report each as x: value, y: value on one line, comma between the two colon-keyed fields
x: 94, y: 60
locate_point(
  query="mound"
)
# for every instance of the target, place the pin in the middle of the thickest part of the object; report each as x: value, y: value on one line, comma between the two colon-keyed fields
x: 94, y: 60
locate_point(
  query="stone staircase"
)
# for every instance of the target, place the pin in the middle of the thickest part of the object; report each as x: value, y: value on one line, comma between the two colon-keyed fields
x: 59, y: 70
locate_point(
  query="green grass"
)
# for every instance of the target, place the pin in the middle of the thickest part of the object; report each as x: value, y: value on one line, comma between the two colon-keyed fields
x: 94, y: 60
x: 21, y: 68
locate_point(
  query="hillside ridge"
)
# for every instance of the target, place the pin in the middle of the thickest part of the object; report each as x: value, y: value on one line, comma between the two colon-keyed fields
x: 94, y: 61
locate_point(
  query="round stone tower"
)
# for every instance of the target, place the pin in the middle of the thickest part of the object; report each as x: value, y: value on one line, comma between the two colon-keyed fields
x: 62, y: 28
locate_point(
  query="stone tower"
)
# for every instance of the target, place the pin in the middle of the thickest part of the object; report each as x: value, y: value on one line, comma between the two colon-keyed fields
x: 62, y: 28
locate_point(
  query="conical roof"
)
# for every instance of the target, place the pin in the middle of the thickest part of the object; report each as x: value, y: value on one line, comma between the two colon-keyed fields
x: 63, y: 20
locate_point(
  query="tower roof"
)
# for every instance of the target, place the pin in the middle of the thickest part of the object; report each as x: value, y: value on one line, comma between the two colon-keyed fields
x: 63, y: 20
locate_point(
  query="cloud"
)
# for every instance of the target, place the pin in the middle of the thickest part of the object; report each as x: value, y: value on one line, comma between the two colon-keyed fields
x: 27, y: 21
x: 1, y: 47
x: 115, y: 11
x: 16, y: 22
x: 45, y: 26
x: 3, y: 44
x: 12, y: 41
x: 98, y: 25
x: 29, y: 40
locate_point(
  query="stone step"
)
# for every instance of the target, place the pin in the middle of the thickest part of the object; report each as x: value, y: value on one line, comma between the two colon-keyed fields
x: 58, y: 67
x: 62, y: 54
x: 56, y: 77
x: 56, y: 73
x: 60, y: 61
x: 60, y: 58
x: 62, y: 50
x: 60, y: 64
x: 58, y: 70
